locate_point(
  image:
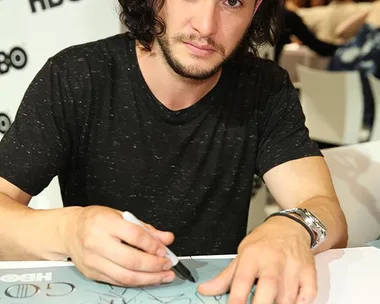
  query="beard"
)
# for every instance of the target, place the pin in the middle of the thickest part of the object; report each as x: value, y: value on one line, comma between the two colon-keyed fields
x: 189, y: 71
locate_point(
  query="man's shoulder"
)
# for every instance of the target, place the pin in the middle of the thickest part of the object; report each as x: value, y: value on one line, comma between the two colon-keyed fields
x: 265, y: 85
x: 263, y: 72
x: 93, y: 53
x: 78, y: 69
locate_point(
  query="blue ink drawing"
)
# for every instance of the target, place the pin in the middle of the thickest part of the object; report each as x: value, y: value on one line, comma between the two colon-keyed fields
x: 66, y: 285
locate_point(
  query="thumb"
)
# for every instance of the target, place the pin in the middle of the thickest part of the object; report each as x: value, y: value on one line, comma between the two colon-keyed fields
x: 165, y: 237
x: 220, y: 284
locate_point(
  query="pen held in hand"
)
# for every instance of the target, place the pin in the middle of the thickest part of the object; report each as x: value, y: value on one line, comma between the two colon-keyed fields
x: 178, y: 267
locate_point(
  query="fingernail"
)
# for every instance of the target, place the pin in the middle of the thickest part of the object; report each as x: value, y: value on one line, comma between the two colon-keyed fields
x: 167, y: 266
x: 168, y: 279
x: 161, y: 252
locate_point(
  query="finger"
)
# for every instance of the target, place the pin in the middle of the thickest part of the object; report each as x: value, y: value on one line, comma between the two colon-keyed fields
x: 243, y: 279
x: 220, y: 284
x: 102, y: 278
x: 308, y: 285
x: 289, y: 286
x: 100, y: 268
x: 268, y: 284
x: 132, y: 258
x: 137, y: 236
x: 165, y: 237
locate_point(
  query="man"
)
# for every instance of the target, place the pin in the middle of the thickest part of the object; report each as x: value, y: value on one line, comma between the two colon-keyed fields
x: 170, y: 124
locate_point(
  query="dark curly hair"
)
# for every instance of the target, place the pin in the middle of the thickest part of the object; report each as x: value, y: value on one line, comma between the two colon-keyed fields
x: 143, y: 24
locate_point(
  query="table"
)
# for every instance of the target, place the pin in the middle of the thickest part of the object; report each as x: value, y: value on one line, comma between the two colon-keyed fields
x: 348, y: 276
x: 345, y: 276
x: 355, y: 171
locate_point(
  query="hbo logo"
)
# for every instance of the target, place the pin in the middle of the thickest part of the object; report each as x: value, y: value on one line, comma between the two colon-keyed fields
x: 16, y: 58
x: 5, y: 123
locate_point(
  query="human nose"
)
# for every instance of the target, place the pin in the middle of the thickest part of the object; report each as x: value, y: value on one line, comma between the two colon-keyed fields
x: 206, y: 20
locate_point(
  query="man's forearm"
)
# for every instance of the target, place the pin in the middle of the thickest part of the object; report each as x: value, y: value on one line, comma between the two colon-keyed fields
x: 330, y: 213
x: 28, y: 234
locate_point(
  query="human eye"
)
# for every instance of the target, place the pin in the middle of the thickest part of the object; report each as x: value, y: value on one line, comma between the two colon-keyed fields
x: 234, y: 4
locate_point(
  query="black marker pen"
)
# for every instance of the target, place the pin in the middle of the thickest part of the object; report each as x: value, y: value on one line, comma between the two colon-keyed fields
x: 178, y: 267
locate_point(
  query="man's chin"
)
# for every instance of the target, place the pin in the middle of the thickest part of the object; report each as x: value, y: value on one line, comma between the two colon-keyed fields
x: 192, y: 67
x: 197, y: 73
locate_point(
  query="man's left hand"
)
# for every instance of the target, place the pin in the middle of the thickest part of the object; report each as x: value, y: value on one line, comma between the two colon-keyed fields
x: 278, y: 254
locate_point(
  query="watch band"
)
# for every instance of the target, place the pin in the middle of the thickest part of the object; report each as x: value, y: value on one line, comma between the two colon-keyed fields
x: 310, y: 220
x: 311, y: 233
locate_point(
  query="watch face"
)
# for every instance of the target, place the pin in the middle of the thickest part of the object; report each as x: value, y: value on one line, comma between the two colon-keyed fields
x: 313, y: 222
x: 316, y: 219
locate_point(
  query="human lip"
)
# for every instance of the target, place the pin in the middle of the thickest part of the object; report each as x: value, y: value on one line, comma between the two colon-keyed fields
x: 205, y: 47
x: 200, y: 49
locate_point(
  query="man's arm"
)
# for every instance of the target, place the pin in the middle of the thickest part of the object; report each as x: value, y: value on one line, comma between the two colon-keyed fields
x: 43, y: 239
x: 94, y: 238
x: 277, y: 253
x: 306, y: 183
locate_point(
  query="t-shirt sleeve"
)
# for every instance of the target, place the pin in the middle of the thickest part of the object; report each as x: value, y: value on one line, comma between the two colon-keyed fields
x: 37, y: 144
x: 283, y: 135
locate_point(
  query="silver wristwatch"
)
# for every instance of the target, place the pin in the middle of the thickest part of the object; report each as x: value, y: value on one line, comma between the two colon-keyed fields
x: 312, y: 221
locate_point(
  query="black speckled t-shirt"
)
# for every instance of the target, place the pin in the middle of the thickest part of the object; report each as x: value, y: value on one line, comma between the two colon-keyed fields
x: 90, y: 118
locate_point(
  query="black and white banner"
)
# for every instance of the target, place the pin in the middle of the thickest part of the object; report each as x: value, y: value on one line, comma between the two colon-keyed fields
x: 31, y: 31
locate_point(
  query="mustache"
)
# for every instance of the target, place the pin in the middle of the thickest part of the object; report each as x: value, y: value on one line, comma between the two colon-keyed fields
x: 192, y: 37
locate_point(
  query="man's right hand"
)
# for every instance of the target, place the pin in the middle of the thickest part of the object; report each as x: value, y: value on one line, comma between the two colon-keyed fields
x: 103, y: 246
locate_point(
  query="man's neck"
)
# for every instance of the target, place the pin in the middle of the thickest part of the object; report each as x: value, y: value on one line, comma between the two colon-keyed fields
x: 172, y: 90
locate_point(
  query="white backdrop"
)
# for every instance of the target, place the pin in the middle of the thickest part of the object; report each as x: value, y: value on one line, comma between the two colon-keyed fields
x: 33, y: 30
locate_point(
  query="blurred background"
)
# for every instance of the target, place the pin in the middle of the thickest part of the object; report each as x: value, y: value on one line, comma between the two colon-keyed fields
x: 331, y: 50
